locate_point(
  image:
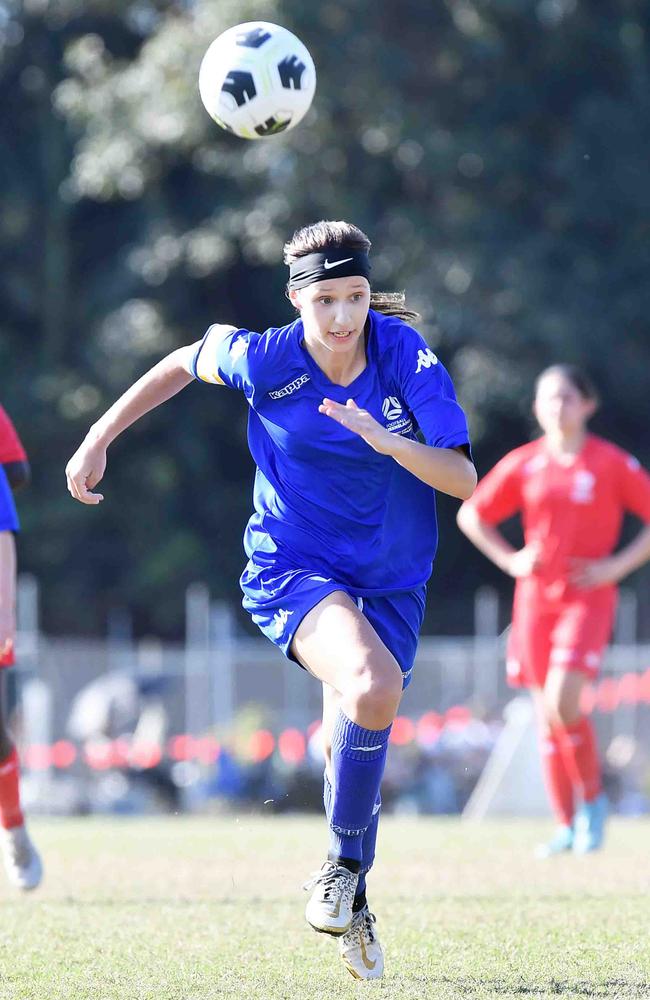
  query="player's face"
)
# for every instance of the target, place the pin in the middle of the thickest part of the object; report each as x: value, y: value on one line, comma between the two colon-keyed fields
x: 559, y: 407
x: 334, y: 312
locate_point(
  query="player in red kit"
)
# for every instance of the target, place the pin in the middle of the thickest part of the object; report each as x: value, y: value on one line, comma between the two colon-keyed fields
x: 21, y: 859
x: 572, y: 490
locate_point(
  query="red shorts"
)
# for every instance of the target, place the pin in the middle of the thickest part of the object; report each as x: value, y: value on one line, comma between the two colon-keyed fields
x: 571, y: 634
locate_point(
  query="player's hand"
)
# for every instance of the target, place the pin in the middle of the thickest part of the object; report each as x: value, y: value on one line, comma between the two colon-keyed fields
x: 526, y: 561
x: 84, y: 470
x: 359, y: 422
x: 588, y: 573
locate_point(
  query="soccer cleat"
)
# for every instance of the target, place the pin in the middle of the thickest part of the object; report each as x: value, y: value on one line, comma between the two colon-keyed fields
x: 560, y: 842
x: 329, y: 909
x: 360, y: 949
x: 21, y: 859
x: 590, y: 825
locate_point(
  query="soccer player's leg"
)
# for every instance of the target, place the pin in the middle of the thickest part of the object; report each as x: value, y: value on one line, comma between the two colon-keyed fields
x: 563, y: 694
x: 284, y: 602
x: 557, y: 780
x: 579, y: 639
x: 21, y: 860
x: 359, y: 947
x: 331, y: 700
x: 397, y: 620
x: 337, y: 644
x: 529, y: 650
x: 331, y: 707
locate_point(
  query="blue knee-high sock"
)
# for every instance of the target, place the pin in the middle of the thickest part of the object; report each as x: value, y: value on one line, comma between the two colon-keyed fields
x: 358, y: 761
x: 368, y: 846
x: 369, y: 841
x: 327, y: 796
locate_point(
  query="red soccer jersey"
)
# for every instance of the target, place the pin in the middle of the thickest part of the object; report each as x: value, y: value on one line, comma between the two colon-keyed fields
x: 11, y: 449
x: 574, y: 510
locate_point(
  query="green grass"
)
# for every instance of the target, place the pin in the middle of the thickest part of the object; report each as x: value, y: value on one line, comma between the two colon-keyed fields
x: 194, y: 909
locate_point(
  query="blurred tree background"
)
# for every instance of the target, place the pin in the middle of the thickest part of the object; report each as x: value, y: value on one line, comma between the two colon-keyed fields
x: 496, y: 152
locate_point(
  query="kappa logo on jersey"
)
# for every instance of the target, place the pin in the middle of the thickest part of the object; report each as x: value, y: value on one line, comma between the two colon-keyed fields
x: 583, y: 486
x: 425, y: 360
x: 288, y: 389
x: 397, y: 421
x: 280, y: 620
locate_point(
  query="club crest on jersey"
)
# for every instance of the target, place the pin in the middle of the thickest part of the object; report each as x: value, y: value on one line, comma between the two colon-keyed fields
x: 396, y: 420
x: 582, y: 490
x: 391, y: 408
x: 425, y: 360
x: 286, y: 390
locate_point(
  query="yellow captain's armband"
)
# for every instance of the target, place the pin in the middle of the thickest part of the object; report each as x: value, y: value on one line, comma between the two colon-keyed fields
x: 204, y: 354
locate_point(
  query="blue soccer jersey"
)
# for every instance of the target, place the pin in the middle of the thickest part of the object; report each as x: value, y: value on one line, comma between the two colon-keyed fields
x: 8, y: 516
x: 324, y: 500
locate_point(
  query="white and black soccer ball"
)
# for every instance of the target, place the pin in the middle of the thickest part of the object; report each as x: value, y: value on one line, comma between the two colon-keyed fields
x: 257, y: 79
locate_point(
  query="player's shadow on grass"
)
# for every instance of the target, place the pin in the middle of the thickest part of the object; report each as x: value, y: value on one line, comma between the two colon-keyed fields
x: 610, y: 988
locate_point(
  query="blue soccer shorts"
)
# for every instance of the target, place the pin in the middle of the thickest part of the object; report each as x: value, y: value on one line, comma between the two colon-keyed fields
x: 278, y: 599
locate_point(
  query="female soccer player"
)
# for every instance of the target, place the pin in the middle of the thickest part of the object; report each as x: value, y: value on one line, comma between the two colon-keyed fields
x: 572, y: 490
x: 343, y: 533
x: 21, y: 860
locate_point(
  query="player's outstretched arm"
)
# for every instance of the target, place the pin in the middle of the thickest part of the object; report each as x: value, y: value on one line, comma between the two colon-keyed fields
x: 86, y: 467
x: 445, y: 469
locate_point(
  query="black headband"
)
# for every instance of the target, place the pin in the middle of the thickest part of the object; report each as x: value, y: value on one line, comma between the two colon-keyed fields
x: 330, y: 262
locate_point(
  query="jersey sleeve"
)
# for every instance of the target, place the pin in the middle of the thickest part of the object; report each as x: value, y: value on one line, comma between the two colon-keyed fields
x: 8, y: 516
x: 635, y: 487
x: 498, y: 494
x: 227, y: 356
x: 429, y: 393
x: 11, y: 449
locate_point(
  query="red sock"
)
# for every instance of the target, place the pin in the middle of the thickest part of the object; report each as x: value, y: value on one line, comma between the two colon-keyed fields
x: 10, y: 812
x: 580, y: 753
x: 7, y: 657
x: 557, y: 779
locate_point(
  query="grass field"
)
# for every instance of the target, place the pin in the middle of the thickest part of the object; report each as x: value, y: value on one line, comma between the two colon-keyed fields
x: 194, y: 909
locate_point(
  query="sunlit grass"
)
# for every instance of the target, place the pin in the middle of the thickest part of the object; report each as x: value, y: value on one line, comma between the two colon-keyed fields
x: 193, y: 909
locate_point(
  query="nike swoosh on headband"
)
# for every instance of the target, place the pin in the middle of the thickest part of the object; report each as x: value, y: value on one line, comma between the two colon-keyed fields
x: 335, y: 263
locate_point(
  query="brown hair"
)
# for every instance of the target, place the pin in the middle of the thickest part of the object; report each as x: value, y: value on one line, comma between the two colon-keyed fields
x: 344, y: 234
x: 578, y: 379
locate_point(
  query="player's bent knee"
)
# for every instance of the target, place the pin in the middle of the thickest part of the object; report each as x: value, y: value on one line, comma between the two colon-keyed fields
x: 374, y: 695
